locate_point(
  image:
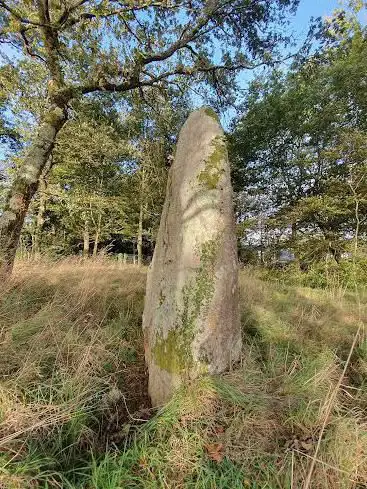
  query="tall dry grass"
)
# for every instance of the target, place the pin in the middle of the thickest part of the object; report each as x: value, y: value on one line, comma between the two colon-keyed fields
x: 71, y: 361
x: 72, y: 387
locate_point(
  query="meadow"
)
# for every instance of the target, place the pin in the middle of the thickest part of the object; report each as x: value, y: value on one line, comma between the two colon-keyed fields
x: 74, y: 411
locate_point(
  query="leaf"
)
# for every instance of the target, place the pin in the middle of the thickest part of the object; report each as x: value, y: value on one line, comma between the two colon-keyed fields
x: 215, y: 451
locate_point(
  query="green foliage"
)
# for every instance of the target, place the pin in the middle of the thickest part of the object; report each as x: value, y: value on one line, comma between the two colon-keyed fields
x: 348, y: 274
x: 88, y: 174
x: 299, y: 152
x: 70, y: 52
x: 105, y: 170
x: 57, y: 62
x: 62, y: 52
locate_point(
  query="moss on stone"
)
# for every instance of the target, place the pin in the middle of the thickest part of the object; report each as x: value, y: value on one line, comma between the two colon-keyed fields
x: 209, y: 177
x: 211, y: 113
x: 174, y: 353
x: 171, y: 353
x: 204, y: 286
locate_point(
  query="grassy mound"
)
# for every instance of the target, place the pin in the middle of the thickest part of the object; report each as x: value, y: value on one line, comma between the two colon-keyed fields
x: 74, y: 411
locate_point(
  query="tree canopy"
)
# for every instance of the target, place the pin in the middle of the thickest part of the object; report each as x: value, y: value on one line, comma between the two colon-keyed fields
x: 300, y: 149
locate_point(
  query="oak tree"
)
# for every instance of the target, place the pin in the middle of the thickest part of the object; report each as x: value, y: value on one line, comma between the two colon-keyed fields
x: 89, y: 46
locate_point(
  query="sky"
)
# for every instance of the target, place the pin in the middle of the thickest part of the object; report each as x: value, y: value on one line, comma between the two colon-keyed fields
x: 317, y: 8
x: 312, y: 8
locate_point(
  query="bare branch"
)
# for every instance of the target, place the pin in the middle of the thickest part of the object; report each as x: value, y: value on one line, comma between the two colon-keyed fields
x: 27, y: 45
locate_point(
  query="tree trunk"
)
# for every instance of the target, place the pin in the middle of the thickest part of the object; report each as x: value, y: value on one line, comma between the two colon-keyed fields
x: 40, y: 219
x: 141, y: 217
x: 140, y: 236
x: 86, y: 240
x: 294, y: 231
x: 96, y: 236
x: 358, y: 222
x: 95, y: 246
x: 25, y: 185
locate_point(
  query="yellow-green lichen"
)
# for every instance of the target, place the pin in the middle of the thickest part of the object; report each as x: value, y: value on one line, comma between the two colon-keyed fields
x: 54, y: 117
x: 204, y: 285
x: 209, y: 177
x: 211, y: 113
x: 171, y: 353
x: 174, y: 352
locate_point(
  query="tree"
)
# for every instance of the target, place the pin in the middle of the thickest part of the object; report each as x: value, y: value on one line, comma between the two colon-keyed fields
x: 301, y: 146
x: 161, y: 121
x: 107, y: 175
x: 82, y: 189
x: 86, y: 46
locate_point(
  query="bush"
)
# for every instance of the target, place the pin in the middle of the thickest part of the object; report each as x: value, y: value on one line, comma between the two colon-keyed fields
x: 326, y: 274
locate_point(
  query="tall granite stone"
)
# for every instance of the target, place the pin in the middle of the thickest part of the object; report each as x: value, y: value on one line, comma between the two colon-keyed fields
x: 191, y: 316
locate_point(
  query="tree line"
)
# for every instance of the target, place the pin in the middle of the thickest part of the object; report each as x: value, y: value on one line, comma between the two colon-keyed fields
x: 93, y: 94
x: 300, y: 153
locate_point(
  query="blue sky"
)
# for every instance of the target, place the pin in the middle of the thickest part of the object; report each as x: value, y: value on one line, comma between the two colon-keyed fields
x: 317, y: 8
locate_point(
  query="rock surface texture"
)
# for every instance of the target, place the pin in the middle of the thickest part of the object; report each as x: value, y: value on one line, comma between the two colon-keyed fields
x: 191, y: 316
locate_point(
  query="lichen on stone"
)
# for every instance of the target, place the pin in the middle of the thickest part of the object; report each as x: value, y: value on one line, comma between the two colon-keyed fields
x: 54, y: 117
x: 210, y: 175
x: 6, y: 218
x: 173, y: 353
x: 204, y: 286
x: 16, y: 202
x: 211, y: 113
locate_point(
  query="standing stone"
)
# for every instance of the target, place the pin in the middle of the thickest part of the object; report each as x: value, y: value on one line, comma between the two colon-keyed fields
x: 191, y: 317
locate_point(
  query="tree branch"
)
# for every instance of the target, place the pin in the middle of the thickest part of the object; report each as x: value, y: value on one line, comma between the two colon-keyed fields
x: 128, y: 28
x: 66, y: 13
x: 125, y: 8
x: 51, y: 43
x: 190, y: 34
x: 27, y: 45
x: 19, y: 16
x: 135, y: 82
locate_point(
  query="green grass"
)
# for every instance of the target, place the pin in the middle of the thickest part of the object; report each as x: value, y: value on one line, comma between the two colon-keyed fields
x: 73, y: 389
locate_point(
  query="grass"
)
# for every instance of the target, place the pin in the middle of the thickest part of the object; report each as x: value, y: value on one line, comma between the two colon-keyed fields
x: 74, y: 412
